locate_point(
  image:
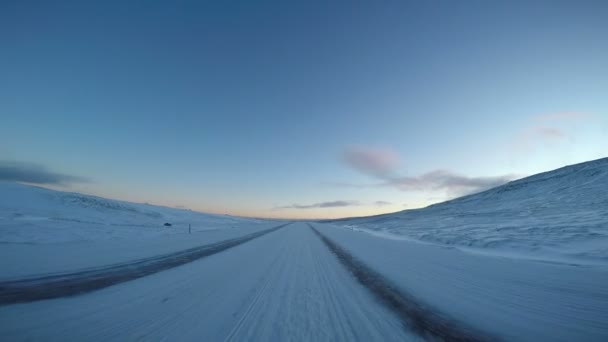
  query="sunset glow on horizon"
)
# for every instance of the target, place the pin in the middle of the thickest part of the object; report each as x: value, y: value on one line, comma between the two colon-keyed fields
x: 309, y: 110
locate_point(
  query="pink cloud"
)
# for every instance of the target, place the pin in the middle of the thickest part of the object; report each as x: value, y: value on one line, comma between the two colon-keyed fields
x: 332, y: 204
x: 548, y: 132
x: 372, y: 161
x: 548, y: 129
x: 382, y: 165
x: 530, y: 138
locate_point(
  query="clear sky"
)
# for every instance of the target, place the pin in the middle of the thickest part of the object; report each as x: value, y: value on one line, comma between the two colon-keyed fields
x: 309, y: 109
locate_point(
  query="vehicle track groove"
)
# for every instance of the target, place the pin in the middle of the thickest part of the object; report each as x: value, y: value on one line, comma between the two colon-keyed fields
x: 413, y: 314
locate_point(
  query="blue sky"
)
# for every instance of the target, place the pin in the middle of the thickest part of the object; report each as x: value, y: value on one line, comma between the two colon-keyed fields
x: 279, y: 109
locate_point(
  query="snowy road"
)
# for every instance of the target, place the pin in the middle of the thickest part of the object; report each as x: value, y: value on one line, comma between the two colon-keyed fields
x: 515, y: 299
x: 68, y: 284
x: 315, y: 282
x: 282, y: 286
x: 82, y: 268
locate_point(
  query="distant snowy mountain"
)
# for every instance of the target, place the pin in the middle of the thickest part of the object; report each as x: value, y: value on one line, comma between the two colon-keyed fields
x: 30, y: 214
x: 557, y: 215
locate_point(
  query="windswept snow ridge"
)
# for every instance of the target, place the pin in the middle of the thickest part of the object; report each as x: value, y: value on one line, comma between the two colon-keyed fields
x: 560, y: 215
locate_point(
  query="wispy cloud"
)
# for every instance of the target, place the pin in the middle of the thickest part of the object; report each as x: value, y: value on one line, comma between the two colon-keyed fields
x: 335, y: 204
x: 347, y: 185
x: 332, y: 204
x: 382, y: 203
x: 382, y: 166
x: 548, y: 130
x: 372, y: 161
x: 532, y: 137
x: 34, y: 173
x: 454, y: 184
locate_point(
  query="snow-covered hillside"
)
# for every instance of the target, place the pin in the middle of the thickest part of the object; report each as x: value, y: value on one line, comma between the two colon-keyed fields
x: 31, y: 214
x: 561, y: 215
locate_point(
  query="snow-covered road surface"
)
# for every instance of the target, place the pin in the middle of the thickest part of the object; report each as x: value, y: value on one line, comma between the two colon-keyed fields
x: 515, y: 299
x: 526, y: 261
x: 282, y: 286
x: 73, y: 283
x: 318, y: 282
x: 413, y: 313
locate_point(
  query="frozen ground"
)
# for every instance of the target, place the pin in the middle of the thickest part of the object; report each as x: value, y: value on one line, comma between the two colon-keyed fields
x: 559, y: 216
x: 514, y: 299
x: 404, y: 276
x: 288, y: 285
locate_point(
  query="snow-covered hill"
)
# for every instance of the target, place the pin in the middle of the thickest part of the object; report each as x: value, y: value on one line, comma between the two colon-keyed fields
x: 30, y: 214
x: 560, y: 215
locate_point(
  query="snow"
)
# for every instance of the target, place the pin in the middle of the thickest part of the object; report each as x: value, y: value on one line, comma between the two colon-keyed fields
x: 46, y: 231
x: 37, y: 215
x: 515, y: 299
x: 558, y: 216
x: 21, y: 260
x: 527, y: 261
x: 284, y: 286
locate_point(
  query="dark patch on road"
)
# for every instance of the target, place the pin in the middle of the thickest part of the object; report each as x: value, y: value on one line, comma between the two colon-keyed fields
x: 429, y: 324
x: 74, y: 283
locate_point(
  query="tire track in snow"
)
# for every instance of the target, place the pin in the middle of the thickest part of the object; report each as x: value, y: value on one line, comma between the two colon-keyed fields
x: 75, y: 283
x: 249, y: 314
x: 412, y: 313
x: 306, y: 295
